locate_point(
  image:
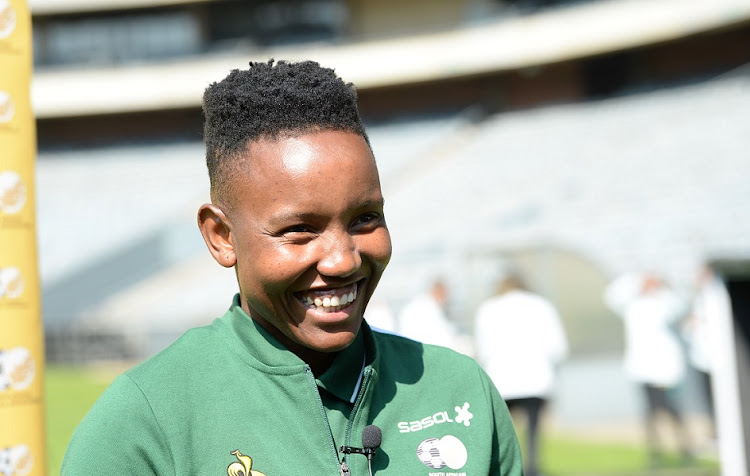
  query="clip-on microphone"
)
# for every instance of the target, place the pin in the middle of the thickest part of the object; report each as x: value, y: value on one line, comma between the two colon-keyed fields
x: 371, y: 439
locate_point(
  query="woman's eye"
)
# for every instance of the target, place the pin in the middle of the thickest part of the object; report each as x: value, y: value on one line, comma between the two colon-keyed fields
x: 366, y: 219
x: 297, y: 229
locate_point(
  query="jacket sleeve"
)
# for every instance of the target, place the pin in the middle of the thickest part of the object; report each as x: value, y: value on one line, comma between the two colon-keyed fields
x: 119, y: 435
x: 506, y: 454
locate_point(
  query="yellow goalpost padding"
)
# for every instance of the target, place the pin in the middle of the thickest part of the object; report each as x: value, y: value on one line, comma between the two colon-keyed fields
x: 22, y: 426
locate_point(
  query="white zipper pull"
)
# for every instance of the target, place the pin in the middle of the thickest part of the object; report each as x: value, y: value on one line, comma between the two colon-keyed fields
x: 344, y: 469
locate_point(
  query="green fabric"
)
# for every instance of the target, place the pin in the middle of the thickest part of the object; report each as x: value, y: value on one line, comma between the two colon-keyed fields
x: 338, y: 385
x: 231, y: 386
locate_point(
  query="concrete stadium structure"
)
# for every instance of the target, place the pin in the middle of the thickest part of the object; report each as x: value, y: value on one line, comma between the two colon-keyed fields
x: 574, y: 142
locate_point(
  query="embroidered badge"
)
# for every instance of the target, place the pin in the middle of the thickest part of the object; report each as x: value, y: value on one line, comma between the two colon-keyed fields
x: 242, y: 467
x: 437, y: 453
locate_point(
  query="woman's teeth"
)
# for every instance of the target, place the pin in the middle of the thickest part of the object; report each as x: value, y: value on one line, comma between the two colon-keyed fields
x: 331, y: 303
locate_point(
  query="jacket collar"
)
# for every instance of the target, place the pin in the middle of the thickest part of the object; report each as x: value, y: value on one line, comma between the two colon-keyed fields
x: 344, y: 377
x: 263, y: 351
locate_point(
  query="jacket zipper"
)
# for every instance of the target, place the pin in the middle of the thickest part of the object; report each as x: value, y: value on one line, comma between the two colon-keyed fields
x: 341, y: 464
x: 357, y: 404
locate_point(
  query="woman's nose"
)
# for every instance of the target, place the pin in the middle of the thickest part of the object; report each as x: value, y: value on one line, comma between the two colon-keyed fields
x: 340, y: 256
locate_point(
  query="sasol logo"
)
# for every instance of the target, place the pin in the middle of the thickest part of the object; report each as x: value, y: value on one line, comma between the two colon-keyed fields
x: 436, y: 419
x: 7, y: 108
x: 16, y: 460
x: 7, y: 19
x: 462, y: 416
x: 11, y: 283
x: 12, y: 192
x: 17, y: 369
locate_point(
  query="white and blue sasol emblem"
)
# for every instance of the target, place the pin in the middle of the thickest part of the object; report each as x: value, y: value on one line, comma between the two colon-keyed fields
x: 437, y: 453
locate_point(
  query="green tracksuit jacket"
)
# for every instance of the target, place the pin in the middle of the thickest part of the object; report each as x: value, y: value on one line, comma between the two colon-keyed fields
x: 228, y: 399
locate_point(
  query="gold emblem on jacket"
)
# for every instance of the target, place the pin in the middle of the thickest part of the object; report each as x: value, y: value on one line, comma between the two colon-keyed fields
x: 242, y: 467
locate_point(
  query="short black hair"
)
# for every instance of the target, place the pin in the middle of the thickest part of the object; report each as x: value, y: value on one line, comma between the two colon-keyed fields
x: 268, y: 101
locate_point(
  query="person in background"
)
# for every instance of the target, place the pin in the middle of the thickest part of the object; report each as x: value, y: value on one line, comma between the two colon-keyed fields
x: 711, y: 306
x: 520, y: 341
x: 425, y: 319
x: 653, y: 359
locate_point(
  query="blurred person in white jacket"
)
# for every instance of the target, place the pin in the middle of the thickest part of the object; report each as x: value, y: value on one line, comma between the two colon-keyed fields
x: 425, y: 319
x: 520, y: 340
x: 653, y: 354
x: 711, y: 307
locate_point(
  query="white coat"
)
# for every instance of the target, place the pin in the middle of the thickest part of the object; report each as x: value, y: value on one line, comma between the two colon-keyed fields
x: 519, y: 341
x: 653, y: 353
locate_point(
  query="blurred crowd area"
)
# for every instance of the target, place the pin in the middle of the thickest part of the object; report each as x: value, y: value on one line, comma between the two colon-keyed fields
x: 660, y: 392
x: 566, y: 144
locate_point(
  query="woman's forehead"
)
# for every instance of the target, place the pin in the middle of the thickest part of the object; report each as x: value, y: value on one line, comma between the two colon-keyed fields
x: 297, y: 156
x: 335, y: 165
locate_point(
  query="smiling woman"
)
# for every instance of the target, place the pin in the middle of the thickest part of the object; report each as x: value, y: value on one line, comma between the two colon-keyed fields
x: 297, y: 210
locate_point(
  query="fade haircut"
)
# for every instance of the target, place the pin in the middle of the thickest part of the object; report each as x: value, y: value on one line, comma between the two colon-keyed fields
x: 271, y: 100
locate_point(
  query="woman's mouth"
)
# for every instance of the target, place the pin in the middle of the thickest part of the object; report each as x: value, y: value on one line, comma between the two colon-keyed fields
x: 329, y: 299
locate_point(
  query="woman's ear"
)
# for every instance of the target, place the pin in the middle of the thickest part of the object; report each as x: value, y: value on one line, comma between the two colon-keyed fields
x: 217, y: 234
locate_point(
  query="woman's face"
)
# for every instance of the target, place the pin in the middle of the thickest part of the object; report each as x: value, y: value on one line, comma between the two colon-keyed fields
x: 309, y: 237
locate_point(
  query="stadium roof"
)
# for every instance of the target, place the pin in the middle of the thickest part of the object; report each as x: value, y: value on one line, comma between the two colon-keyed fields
x: 502, y: 44
x: 56, y: 7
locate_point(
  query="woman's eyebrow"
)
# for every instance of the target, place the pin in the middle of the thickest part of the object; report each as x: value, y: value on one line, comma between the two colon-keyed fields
x: 379, y: 202
x: 285, y: 216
